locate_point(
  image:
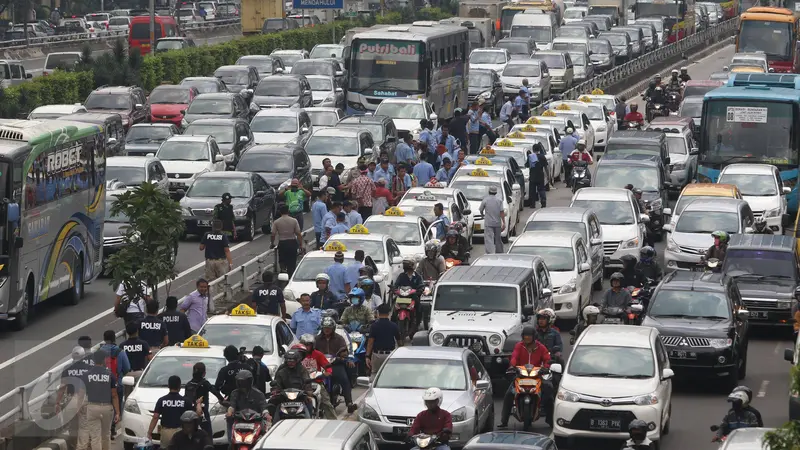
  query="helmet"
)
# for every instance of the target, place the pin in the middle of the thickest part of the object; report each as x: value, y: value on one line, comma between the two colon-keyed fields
x: 366, y: 270
x: 684, y: 69
x: 548, y: 314
x: 307, y: 339
x: 330, y: 313
x: 322, y: 277
x: 652, y: 85
x: 657, y: 77
x: 328, y: 322
x: 746, y: 390
x: 760, y: 223
x: 452, y: 233
x: 634, y: 107
x: 365, y: 281
x: 431, y: 246
x: 637, y: 191
x: 647, y: 253
x: 244, y: 379
x: 356, y: 293
x: 739, y: 398
x: 457, y: 227
x: 432, y: 394
x: 408, y: 264
x: 637, y: 424
x: 190, y: 417
x: 674, y: 71
x: 617, y: 276
x: 292, y: 355
x: 628, y: 261
x: 723, y: 236
x: 590, y: 310
x: 528, y: 330
x: 301, y: 350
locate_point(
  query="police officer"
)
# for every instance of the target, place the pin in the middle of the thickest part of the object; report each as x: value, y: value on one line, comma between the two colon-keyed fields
x: 260, y: 370
x: 70, y: 378
x: 190, y: 437
x: 384, y: 337
x: 224, y: 211
x: 169, y: 410
x: 286, y: 230
x: 176, y: 322
x: 537, y: 165
x: 217, y: 250
x: 99, y: 389
x: 137, y: 349
x: 226, y: 378
x: 268, y: 299
x: 152, y: 329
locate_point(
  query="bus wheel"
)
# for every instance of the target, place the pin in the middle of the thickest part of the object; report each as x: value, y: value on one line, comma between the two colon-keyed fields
x: 76, y: 293
x: 21, y: 319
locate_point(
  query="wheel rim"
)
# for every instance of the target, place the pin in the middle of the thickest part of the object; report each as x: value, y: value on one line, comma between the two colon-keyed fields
x: 78, y: 285
x: 252, y: 225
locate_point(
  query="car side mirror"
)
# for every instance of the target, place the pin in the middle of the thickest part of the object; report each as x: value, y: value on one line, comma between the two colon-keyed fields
x: 183, y: 112
x: 771, y: 70
x: 797, y: 293
x: 556, y: 368
x: 338, y: 90
x: 644, y: 218
x: 748, y: 230
x: 112, y: 141
x: 29, y: 75
x: 694, y: 151
x: 307, y: 92
x: 397, y: 260
x: 786, y: 190
x: 339, y: 73
x: 667, y: 227
x: 467, y: 211
x: 528, y: 310
x: 283, y: 277
x: 788, y: 354
x: 546, y: 292
x: 18, y: 242
x: 378, y: 278
x: 516, y: 187
x: 585, y: 267
x: 244, y: 139
x: 433, y: 116
x: 128, y: 381
x: 303, y: 130
x: 666, y: 374
x: 180, y: 193
x: 362, y: 382
x: 261, y: 193
x: 367, y: 151
x: 482, y: 385
x: 219, y: 158
x: 283, y: 349
x: 595, y: 241
x: 667, y: 211
x: 742, y: 314
x: 139, y: 106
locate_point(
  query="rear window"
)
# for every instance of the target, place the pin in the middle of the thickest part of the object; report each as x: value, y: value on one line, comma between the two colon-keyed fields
x: 61, y: 61
x: 141, y: 31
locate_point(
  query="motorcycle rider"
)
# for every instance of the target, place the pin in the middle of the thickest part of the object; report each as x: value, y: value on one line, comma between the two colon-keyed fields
x: 409, y: 277
x: 637, y: 194
x: 323, y: 298
x: 547, y: 334
x: 719, y: 248
x: 684, y: 76
x: 433, y: 420
x: 760, y: 226
x: 432, y: 266
x: 245, y: 396
x: 637, y: 430
x: 290, y: 375
x: 331, y: 343
x: 590, y: 316
x: 616, y: 297
x: 634, y: 116
x: 358, y: 311
x: 647, y: 265
x: 528, y: 351
x: 631, y: 276
x: 674, y: 82
x: 190, y: 436
x: 367, y: 284
x: 657, y: 98
x: 226, y: 377
x: 749, y: 407
x: 738, y: 416
x: 453, y: 248
x: 315, y: 361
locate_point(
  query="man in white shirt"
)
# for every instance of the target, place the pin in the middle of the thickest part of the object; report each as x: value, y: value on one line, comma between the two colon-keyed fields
x: 135, y: 309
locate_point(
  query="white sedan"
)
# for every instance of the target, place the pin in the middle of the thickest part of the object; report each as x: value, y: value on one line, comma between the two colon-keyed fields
x: 475, y: 185
x: 407, y: 231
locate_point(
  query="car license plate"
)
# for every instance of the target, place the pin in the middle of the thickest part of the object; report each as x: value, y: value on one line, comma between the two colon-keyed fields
x: 758, y: 315
x: 605, y: 424
x: 203, y: 223
x: 426, y: 299
x: 682, y: 354
x: 612, y: 320
x: 400, y: 431
x: 698, y: 268
x: 476, y: 227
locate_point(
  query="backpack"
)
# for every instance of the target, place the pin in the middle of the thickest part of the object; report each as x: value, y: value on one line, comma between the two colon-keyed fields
x: 190, y: 392
x: 111, y: 362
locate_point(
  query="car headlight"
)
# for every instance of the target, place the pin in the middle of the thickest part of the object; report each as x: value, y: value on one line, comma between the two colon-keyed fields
x: 368, y: 413
x: 186, y: 211
x: 241, y: 212
x: 672, y: 246
x: 601, y: 129
x: 295, y: 105
x: 679, y: 166
x: 288, y: 295
x: 568, y: 396
x: 633, y: 243
x: 485, y: 95
x: 437, y: 338
x: 648, y: 399
x: 184, y: 123
x: 784, y: 304
x: 569, y: 287
x: 459, y: 415
x: 773, y: 212
x: 495, y: 340
x: 720, y: 343
x: 254, y: 107
x: 131, y: 406
x: 656, y: 204
x: 218, y: 409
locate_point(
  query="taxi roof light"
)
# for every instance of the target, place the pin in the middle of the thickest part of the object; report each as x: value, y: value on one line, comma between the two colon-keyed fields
x: 534, y: 120
x: 335, y: 246
x: 195, y: 341
x: 585, y: 99
x: 504, y: 143
x: 516, y: 135
x: 479, y: 173
x: 549, y: 113
x: 529, y: 129
x: 358, y: 229
x: 563, y: 107
x: 395, y: 211
x: 483, y: 161
x: 242, y: 310
x: 597, y: 91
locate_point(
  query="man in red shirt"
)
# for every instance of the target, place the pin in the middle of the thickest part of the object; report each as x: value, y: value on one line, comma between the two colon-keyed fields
x: 634, y: 116
x: 529, y: 351
x: 315, y: 361
x: 433, y: 420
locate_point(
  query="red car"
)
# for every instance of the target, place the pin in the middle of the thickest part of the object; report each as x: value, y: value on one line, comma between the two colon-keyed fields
x: 167, y: 101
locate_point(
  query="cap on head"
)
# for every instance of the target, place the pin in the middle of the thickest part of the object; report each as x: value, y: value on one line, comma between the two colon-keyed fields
x: 582, y: 142
x: 381, y: 181
x: 492, y: 190
x: 78, y: 352
x: 227, y: 196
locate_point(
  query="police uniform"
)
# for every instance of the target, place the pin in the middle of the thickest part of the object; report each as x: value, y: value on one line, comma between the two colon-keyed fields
x: 268, y: 300
x: 177, y: 325
x: 385, y: 335
x: 224, y: 213
x: 95, y: 431
x: 169, y: 408
x: 226, y: 377
x: 152, y: 330
x: 137, y: 351
x: 216, y: 260
x: 71, y: 377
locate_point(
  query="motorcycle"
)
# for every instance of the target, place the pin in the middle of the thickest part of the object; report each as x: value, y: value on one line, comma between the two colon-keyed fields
x: 642, y: 295
x: 292, y: 404
x: 631, y: 126
x: 335, y: 389
x: 655, y: 110
x: 449, y: 263
x: 425, y: 441
x: 528, y: 406
x: 580, y: 175
x: 614, y: 316
x: 673, y: 100
x: 710, y: 265
x: 248, y: 427
x: 404, y: 305
x: 358, y: 345
x: 426, y: 302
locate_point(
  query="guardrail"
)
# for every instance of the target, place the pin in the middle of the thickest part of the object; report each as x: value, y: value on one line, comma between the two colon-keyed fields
x: 104, y: 35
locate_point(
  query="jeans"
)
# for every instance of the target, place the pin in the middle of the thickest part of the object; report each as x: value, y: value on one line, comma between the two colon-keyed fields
x: 341, y: 378
x: 287, y: 254
x: 538, y: 192
x: 547, y: 399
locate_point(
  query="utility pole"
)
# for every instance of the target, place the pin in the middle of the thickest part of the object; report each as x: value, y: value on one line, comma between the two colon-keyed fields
x: 152, y: 25
x: 25, y: 14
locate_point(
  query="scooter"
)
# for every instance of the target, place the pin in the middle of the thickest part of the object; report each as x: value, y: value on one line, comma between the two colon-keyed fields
x: 426, y: 302
x: 404, y: 305
x: 425, y: 441
x: 335, y: 389
x: 580, y: 175
x: 631, y: 126
x: 528, y: 406
x: 291, y: 404
x: 673, y: 101
x: 614, y: 316
x: 358, y: 345
x: 248, y: 427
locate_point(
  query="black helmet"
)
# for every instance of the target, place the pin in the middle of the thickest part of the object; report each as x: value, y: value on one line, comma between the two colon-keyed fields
x: 244, y: 379
x: 628, y: 261
x: 408, y: 264
x: 528, y: 330
x: 647, y: 252
x: 190, y: 417
x: 637, y: 424
x: 366, y: 271
x: 292, y: 355
x: 652, y: 85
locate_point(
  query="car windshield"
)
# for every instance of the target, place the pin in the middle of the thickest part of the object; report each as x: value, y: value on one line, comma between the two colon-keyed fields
x: 147, y: 135
x: 116, y: 102
x: 611, y: 362
x: 472, y: 189
x: 215, y: 187
x: 546, y: 225
x: 375, y: 249
x: 403, y: 373
x: 321, y: 84
x: 171, y: 96
x: 453, y: 297
x: 183, y: 151
x: 290, y: 58
x: 274, y: 124
x: 552, y: 61
x: 571, y: 13
x: 747, y: 61
x: 595, y: 112
x: 752, y: 184
x: 706, y: 222
x: 775, y: 39
x: 131, y: 176
x: 401, y: 110
x: 203, y: 86
x: 403, y: 233
x: 274, y: 87
x: 161, y: 368
x: 617, y: 176
x: 514, y: 48
x: 312, y: 67
x: 558, y: 259
x: 119, y: 218
x: 570, y: 32
x: 240, y: 335
x: 487, y: 58
x: 209, y: 106
x: 625, y: 150
x: 309, y: 268
x: 478, y: 79
x: 616, y: 39
x: 62, y: 60
x: 698, y: 91
x: 536, y: 32
x: 600, y: 47
x: 321, y: 118
x: 676, y: 145
x: 520, y: 157
x: 691, y: 109
x: 332, y: 146
x: 223, y: 134
x: 262, y: 63
x: 169, y: 44
x: 236, y: 77
x: 767, y: 264
x: 689, y: 303
x: 326, y: 51
x: 522, y: 70
x: 267, y: 162
x: 375, y: 128
x: 609, y: 212
x: 119, y: 21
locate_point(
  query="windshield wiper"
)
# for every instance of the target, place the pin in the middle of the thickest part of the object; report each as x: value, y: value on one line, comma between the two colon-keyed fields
x: 676, y: 316
x: 599, y: 375
x: 712, y: 317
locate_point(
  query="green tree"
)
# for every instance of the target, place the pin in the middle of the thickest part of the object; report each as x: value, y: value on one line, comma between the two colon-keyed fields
x: 151, y: 239
x: 787, y: 437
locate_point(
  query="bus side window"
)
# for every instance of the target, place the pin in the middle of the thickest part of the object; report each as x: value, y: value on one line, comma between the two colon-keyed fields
x: 441, y: 58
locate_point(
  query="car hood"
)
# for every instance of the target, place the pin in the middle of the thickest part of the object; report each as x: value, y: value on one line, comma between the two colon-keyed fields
x: 114, y: 229
x: 600, y: 387
x: 265, y: 101
x: 599, y: 57
x: 699, y: 241
x: 192, y: 117
x: 274, y: 179
x: 407, y: 124
x: 319, y: 96
x: 496, y: 67
x: 394, y: 402
x: 558, y: 72
x: 768, y: 288
x: 758, y: 203
x: 619, y: 232
x: 185, y: 167
x: 300, y: 287
x: 559, y: 278
x: 478, y: 90
x: 164, y: 109
x: 141, y: 149
x: 695, y: 327
x: 517, y: 81
x: 446, y: 321
x: 274, y: 138
x: 209, y: 203
x: 675, y: 158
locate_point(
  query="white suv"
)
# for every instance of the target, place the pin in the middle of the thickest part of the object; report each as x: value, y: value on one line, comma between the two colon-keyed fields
x: 762, y: 189
x: 615, y: 374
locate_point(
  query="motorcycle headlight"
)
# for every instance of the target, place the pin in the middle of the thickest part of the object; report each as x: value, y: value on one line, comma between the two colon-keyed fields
x: 459, y: 415
x: 657, y: 106
x: 292, y: 395
x: 644, y: 400
x: 672, y: 246
x: 241, y: 212
x: 495, y: 340
x: 773, y: 212
x: 218, y: 409
x: 656, y: 204
x: 633, y: 243
x: 368, y: 413
x: 249, y: 438
x: 569, y: 287
x: 679, y: 166
x: 437, y: 338
x: 720, y: 343
x: 131, y: 406
x: 568, y: 396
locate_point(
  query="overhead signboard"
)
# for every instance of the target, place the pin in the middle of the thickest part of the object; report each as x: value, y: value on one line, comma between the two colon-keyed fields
x: 317, y: 4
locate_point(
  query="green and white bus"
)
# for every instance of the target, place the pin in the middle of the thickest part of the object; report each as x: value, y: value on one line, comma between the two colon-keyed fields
x: 52, y: 189
x: 424, y: 60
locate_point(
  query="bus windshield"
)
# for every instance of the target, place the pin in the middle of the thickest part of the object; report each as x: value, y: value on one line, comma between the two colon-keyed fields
x: 775, y: 39
x: 656, y: 9
x: 749, y: 131
x: 538, y: 33
x: 387, y: 65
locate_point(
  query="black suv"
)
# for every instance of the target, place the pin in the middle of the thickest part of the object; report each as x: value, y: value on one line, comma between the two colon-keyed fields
x: 281, y: 91
x: 383, y: 130
x: 233, y: 136
x: 129, y: 102
x: 703, y: 325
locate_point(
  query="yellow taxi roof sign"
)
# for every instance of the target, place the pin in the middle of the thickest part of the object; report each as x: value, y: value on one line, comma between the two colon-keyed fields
x: 479, y: 173
x: 534, y: 121
x: 529, y: 129
x: 549, y: 113
x: 243, y: 310
x: 585, y: 99
x: 598, y: 91
x: 394, y: 211
x: 195, y: 341
x: 488, y: 151
x: 358, y: 229
x: 563, y: 107
x: 335, y: 246
x: 483, y: 161
x: 516, y: 135
x: 504, y: 143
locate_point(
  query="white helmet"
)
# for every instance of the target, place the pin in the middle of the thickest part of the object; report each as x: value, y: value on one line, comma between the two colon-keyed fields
x: 549, y: 313
x: 590, y: 310
x: 323, y: 277
x: 582, y: 141
x: 739, y: 396
x: 432, y: 394
x: 674, y: 71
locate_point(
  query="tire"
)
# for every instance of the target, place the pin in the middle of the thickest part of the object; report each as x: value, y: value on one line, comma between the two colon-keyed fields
x: 489, y: 427
x: 266, y: 228
x: 403, y: 325
x: 250, y: 231
x: 598, y: 285
x: 76, y: 293
x: 21, y: 319
x: 527, y: 419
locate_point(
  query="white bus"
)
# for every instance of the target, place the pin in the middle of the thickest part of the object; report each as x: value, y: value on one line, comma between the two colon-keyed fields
x: 424, y: 60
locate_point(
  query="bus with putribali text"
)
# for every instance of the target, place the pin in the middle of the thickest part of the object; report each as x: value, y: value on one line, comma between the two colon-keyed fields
x: 774, y: 32
x: 52, y: 191
x: 678, y: 16
x: 424, y: 60
x: 753, y: 119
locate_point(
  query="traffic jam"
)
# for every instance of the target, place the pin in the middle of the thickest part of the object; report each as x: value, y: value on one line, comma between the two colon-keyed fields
x: 467, y: 258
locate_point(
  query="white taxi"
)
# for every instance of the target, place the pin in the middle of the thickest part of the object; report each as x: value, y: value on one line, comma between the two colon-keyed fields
x: 551, y: 119
x: 421, y: 204
x: 518, y: 152
x: 579, y: 118
x: 407, y: 231
x: 486, y: 164
x: 303, y: 281
x: 475, y: 186
x: 601, y: 119
x: 609, y: 101
x: 443, y: 194
x: 531, y: 134
x: 242, y: 327
x: 553, y: 129
x: 380, y: 247
x: 152, y: 385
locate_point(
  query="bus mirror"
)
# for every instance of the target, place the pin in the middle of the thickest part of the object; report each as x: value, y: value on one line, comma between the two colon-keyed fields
x: 12, y: 212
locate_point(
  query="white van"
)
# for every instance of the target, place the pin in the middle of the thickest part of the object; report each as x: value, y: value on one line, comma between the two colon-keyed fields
x: 540, y: 27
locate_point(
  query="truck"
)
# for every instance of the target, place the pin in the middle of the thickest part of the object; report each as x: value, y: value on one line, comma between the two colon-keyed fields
x: 510, y: 10
x: 617, y: 9
x: 482, y: 9
x: 481, y: 31
x: 255, y: 12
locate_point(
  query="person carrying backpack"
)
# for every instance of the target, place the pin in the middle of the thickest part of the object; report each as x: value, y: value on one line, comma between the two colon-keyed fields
x: 200, y: 388
x: 119, y: 365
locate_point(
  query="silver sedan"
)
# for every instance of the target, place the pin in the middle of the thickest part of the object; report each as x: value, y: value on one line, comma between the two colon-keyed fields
x: 325, y: 92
